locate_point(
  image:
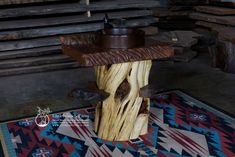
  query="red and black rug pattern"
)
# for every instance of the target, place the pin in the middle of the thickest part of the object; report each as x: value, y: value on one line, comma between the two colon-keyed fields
x: 179, y: 125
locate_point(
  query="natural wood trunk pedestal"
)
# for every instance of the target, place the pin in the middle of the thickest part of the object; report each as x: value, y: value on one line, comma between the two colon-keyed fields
x: 124, y: 114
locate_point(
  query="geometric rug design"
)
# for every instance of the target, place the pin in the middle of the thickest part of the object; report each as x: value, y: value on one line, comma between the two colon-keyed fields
x: 179, y: 125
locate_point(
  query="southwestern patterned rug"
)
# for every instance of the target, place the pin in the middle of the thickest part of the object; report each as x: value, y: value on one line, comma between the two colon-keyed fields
x: 179, y: 126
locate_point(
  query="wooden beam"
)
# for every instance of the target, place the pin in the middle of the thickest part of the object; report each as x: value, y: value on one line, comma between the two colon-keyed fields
x: 33, y: 61
x: 226, y: 20
x: 10, y: 2
x: 76, y: 7
x: 49, y: 31
x: 215, y: 10
x: 31, y: 43
x: 41, y: 68
x: 52, y: 21
x: 68, y: 29
x: 160, y: 12
x: 30, y: 52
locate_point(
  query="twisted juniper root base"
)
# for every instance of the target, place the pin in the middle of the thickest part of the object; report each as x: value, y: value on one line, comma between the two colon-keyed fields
x: 124, y: 114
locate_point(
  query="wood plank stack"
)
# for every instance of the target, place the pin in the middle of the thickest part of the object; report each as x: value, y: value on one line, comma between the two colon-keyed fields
x: 221, y: 21
x: 29, y: 35
x: 175, y: 15
x: 174, y: 18
x: 182, y: 41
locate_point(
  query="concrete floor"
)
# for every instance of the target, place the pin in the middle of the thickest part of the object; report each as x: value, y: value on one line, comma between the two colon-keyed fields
x: 21, y: 94
x: 199, y: 80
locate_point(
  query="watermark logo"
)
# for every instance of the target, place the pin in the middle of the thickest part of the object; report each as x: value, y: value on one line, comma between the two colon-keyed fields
x: 69, y: 119
x: 42, y: 119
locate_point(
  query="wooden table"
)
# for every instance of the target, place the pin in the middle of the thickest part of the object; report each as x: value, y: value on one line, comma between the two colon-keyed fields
x: 121, y: 73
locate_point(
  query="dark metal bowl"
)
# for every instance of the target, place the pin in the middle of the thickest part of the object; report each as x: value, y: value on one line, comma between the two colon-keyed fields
x: 120, y: 38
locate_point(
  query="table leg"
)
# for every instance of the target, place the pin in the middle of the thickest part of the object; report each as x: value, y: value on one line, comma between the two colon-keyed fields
x: 124, y: 114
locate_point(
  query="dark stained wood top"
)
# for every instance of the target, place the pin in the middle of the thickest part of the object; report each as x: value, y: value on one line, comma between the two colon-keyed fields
x: 83, y: 48
x: 215, y: 10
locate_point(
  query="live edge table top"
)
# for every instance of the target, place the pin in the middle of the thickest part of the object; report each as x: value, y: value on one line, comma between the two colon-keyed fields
x: 82, y: 48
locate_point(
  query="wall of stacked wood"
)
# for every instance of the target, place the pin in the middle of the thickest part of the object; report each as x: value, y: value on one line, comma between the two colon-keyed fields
x: 218, y: 17
x: 175, y: 16
x: 214, y: 19
x: 175, y: 27
x: 30, y: 29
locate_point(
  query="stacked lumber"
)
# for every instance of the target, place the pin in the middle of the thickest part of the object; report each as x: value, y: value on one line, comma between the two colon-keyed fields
x: 182, y: 42
x: 174, y: 18
x: 29, y: 34
x: 220, y: 21
x: 175, y: 15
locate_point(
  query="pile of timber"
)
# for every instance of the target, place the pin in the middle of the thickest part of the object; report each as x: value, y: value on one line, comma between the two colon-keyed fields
x: 174, y: 18
x: 182, y: 42
x: 220, y: 21
x: 29, y: 34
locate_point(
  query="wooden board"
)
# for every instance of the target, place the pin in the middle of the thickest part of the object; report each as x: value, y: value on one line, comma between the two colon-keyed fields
x: 159, y: 12
x: 62, y: 20
x: 30, y: 43
x: 49, y: 31
x: 226, y: 33
x: 33, y: 52
x: 150, y: 30
x: 90, y: 54
x: 76, y: 7
x: 178, y: 38
x: 33, y: 61
x: 67, y: 29
x: 226, y: 20
x: 215, y: 10
x: 54, y: 40
x: 9, y: 2
x: 41, y: 68
x: 176, y: 24
x: 29, y: 34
